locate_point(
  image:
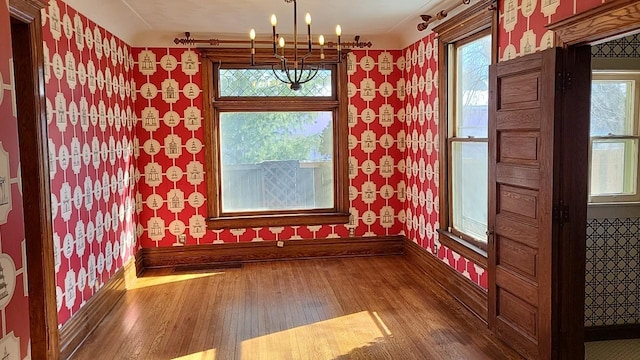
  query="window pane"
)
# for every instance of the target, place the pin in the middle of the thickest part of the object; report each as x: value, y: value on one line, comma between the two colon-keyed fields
x: 276, y: 160
x: 472, y: 88
x: 611, y: 107
x: 614, y: 167
x: 263, y: 83
x: 470, y: 185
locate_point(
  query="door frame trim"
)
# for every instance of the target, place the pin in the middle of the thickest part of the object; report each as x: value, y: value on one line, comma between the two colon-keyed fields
x: 571, y: 161
x: 34, y: 153
x: 608, y: 21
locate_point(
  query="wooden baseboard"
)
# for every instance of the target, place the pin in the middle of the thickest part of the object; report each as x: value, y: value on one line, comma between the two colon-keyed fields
x: 139, y: 263
x: 462, y: 289
x: 612, y: 332
x: 268, y: 251
x: 82, y: 323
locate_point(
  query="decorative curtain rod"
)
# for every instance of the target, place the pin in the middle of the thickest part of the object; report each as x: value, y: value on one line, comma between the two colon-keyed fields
x: 428, y: 19
x: 188, y: 40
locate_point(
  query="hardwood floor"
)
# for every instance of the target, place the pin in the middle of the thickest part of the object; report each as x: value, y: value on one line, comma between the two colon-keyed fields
x: 356, y: 308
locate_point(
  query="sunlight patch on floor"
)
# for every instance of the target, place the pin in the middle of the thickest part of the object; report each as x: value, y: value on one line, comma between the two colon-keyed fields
x: 148, y: 281
x: 326, y: 339
x: 202, y: 355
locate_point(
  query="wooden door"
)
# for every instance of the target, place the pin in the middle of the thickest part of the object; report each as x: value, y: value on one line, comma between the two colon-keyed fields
x: 526, y: 205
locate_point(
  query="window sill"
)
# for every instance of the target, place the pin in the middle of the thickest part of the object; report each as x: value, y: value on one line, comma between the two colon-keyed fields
x: 249, y: 221
x: 469, y: 251
x: 613, y: 203
x: 613, y: 210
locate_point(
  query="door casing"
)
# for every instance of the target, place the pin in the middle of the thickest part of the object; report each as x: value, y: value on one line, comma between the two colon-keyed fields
x: 26, y: 33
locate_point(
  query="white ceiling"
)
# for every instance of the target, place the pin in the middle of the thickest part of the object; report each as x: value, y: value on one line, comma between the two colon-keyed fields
x: 388, y: 23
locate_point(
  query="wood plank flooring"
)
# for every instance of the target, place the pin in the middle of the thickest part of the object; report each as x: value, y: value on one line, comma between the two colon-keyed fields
x: 356, y: 308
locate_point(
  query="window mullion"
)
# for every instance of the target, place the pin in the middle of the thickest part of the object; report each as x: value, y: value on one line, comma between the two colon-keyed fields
x: 615, y: 137
x: 469, y: 139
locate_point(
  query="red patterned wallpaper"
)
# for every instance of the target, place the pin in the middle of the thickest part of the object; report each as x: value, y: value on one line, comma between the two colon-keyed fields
x: 90, y: 97
x: 420, y: 132
x: 93, y: 102
x: 14, y: 303
x: 522, y: 31
x: 172, y: 184
x: 522, y: 23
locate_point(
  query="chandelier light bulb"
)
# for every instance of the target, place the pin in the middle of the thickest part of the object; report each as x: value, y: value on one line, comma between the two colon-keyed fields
x: 321, y: 40
x: 338, y: 30
x: 281, y: 42
x: 252, y: 34
x: 307, y: 18
x: 274, y: 20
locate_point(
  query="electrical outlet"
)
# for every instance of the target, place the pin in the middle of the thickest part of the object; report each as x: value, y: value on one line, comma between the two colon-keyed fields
x: 280, y: 243
x: 182, y: 239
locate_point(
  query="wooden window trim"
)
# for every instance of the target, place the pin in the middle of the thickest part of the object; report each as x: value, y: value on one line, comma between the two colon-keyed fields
x: 635, y: 135
x: 339, y: 214
x: 470, y: 23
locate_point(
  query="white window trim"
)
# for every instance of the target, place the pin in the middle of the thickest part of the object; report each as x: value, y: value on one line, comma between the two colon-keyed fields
x: 620, y: 75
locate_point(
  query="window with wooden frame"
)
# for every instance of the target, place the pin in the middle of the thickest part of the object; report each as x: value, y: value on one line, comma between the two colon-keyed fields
x: 613, y: 152
x: 467, y: 46
x: 274, y: 156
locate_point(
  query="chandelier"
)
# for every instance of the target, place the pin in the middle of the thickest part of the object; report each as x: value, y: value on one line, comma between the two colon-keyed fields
x: 298, y: 69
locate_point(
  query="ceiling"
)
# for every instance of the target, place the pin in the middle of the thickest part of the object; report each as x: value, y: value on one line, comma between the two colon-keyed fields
x: 156, y: 22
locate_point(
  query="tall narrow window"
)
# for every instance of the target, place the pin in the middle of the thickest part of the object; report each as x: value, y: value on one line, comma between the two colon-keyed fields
x: 614, y: 137
x: 275, y: 156
x: 468, y: 142
x: 467, y: 47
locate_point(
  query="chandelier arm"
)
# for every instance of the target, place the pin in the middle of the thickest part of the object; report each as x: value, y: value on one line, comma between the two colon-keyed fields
x: 306, y: 55
x: 275, y: 73
x: 310, y: 75
x: 311, y: 72
x: 298, y: 79
x: 283, y: 64
x: 287, y: 72
x: 294, y: 80
x: 298, y: 76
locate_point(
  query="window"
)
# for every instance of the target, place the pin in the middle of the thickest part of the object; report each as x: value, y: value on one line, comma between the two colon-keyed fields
x: 614, y: 137
x: 468, y: 137
x: 275, y: 157
x: 276, y: 160
x: 466, y: 49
